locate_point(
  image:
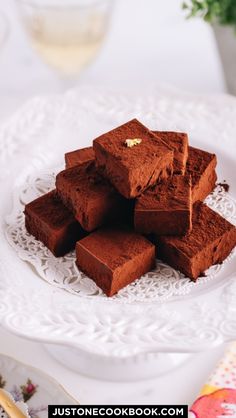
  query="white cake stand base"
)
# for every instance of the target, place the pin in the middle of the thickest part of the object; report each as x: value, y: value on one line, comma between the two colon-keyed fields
x: 134, y: 368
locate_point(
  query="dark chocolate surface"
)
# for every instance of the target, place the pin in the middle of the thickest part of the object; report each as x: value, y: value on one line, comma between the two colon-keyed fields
x: 79, y: 156
x: 132, y: 170
x: 91, y: 198
x: 52, y: 223
x: 170, y: 194
x: 178, y: 141
x: 201, y: 166
x: 165, y: 209
x: 113, y: 258
x: 211, y: 240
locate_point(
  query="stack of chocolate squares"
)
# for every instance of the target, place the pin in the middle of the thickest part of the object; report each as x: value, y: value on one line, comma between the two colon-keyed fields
x: 135, y: 194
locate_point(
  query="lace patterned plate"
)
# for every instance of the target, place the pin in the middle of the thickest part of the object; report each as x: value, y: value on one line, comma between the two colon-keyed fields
x: 163, y: 311
x: 161, y: 284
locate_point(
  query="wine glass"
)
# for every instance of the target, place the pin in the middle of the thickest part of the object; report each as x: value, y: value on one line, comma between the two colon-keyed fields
x: 67, y: 34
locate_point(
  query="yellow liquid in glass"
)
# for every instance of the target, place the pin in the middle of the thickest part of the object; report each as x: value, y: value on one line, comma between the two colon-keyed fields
x: 69, y: 59
x: 67, y: 43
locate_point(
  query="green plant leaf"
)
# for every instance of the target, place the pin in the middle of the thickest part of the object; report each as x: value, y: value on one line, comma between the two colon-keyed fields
x: 221, y: 11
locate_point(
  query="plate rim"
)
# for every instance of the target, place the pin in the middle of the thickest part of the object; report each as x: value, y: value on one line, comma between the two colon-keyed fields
x: 41, y: 373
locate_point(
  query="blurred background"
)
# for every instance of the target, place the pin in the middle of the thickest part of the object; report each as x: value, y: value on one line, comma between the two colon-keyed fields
x: 47, y: 47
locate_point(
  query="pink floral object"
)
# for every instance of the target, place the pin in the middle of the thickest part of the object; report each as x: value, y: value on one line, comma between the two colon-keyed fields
x: 219, y: 404
x: 23, y: 393
x: 28, y: 390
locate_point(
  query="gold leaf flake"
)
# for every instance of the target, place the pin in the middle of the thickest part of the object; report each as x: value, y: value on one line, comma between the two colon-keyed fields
x: 132, y: 142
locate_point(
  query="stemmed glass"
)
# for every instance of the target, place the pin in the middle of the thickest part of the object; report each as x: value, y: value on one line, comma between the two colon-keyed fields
x: 67, y: 34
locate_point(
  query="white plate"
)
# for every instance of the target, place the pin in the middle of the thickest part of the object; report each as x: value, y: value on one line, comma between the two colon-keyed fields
x: 152, y: 315
x: 31, y: 386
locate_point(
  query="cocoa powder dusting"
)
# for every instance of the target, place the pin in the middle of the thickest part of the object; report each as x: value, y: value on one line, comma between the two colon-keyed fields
x: 224, y: 185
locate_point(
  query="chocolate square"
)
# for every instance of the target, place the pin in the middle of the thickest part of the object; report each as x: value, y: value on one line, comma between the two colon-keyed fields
x: 90, y: 197
x: 80, y: 156
x: 201, y: 166
x: 165, y: 209
x: 114, y: 258
x: 211, y: 240
x: 178, y: 141
x: 132, y: 169
x: 50, y: 222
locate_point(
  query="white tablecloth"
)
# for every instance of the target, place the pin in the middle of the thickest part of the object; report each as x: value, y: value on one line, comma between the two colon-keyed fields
x: 148, y: 42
